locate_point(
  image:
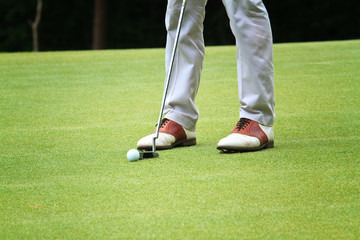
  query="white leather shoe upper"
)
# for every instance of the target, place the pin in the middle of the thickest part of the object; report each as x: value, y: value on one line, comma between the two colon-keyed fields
x: 163, y: 140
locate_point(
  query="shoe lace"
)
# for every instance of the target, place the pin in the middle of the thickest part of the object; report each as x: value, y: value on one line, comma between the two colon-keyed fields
x: 242, y: 123
x: 163, y: 123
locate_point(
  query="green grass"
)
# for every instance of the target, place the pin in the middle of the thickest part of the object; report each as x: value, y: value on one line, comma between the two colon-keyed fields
x: 67, y: 120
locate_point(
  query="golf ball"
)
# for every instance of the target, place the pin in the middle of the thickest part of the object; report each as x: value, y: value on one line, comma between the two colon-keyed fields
x: 133, y: 155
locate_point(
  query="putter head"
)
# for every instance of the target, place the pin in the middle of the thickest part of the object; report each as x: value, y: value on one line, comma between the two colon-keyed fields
x: 148, y: 154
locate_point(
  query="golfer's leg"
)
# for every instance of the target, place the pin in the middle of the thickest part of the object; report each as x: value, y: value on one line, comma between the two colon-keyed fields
x: 250, y: 25
x: 185, y: 78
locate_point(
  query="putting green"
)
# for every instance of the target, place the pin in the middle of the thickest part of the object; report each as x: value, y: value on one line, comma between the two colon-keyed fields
x: 69, y: 118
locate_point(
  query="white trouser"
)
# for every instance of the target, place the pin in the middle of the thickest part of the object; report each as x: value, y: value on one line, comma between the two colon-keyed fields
x: 250, y: 25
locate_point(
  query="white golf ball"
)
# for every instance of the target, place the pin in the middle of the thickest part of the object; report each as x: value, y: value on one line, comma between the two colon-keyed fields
x: 133, y: 155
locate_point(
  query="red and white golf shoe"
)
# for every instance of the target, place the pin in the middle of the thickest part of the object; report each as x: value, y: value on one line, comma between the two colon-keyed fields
x: 247, y: 136
x: 171, y: 134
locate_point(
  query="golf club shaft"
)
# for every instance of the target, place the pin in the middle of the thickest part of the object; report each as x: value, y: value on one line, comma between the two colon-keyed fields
x: 168, y: 76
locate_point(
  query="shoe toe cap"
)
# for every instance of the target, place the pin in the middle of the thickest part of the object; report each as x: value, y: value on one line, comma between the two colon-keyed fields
x: 163, y: 140
x: 239, y: 141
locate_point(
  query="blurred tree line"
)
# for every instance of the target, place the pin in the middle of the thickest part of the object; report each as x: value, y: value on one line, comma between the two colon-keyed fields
x: 113, y: 24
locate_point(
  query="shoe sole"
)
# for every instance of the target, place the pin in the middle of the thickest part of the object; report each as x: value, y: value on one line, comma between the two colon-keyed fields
x: 230, y: 149
x: 183, y: 143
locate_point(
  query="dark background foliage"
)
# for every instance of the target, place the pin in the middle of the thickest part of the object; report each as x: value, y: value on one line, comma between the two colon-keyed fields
x: 68, y: 24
